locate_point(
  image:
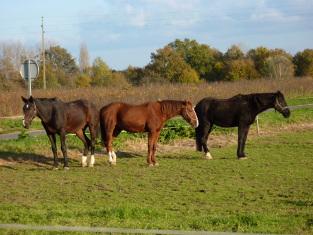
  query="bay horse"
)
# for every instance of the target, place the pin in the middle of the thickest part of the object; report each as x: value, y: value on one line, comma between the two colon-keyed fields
x: 148, y: 117
x: 58, y: 117
x: 239, y: 111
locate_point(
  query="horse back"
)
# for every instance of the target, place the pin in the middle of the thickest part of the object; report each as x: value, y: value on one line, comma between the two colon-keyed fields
x: 78, y: 114
x: 132, y: 118
x: 223, y: 112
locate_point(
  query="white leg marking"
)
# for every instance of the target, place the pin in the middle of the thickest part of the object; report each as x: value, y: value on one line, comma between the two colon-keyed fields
x: 92, y: 160
x: 110, y: 157
x: 208, y: 156
x: 114, y: 157
x: 84, y: 161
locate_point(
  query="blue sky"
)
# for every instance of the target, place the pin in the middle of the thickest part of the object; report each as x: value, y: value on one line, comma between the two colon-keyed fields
x: 127, y: 32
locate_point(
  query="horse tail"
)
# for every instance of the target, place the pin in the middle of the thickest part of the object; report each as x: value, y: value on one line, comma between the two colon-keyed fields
x: 198, y: 129
x: 102, y: 127
x: 201, y: 111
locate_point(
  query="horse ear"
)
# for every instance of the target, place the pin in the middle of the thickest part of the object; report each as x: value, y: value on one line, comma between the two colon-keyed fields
x: 31, y: 99
x: 24, y: 99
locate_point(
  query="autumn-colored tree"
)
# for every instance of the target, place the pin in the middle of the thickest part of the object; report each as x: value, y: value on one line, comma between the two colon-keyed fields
x: 83, y: 58
x: 101, y: 74
x: 83, y: 80
x: 234, y: 53
x: 240, y: 69
x: 279, y: 67
x: 304, y: 63
x: 200, y: 57
x: 169, y: 65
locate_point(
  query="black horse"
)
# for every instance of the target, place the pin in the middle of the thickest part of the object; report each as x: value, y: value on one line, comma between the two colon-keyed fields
x: 239, y: 111
x: 58, y: 117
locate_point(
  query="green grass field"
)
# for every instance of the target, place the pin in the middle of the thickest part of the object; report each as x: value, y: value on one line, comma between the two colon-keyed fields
x: 271, y: 192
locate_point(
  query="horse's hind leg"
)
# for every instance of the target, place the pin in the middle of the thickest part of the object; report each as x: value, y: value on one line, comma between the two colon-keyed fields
x: 81, y: 135
x: 154, y: 144
x: 202, y: 135
x: 54, y: 150
x: 64, y: 149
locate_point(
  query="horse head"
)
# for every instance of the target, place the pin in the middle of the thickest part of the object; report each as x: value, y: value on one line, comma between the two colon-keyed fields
x: 29, y: 110
x: 280, y: 104
x: 189, y: 114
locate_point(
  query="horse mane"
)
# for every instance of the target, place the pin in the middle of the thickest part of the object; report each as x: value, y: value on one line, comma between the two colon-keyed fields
x: 49, y: 100
x: 170, y: 106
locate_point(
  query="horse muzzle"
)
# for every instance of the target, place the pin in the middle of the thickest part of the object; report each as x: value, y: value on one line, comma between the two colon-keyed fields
x: 286, y: 113
x: 25, y: 125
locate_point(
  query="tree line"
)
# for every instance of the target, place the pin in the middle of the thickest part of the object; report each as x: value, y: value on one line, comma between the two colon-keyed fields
x: 181, y: 61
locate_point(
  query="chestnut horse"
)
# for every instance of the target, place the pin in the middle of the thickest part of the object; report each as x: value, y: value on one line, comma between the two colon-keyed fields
x: 58, y: 117
x: 148, y: 117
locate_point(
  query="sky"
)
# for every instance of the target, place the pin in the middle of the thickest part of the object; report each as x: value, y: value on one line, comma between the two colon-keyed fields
x: 125, y: 32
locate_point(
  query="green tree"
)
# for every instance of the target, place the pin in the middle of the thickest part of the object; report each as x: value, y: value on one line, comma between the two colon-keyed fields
x: 200, y: 57
x: 61, y: 69
x: 304, y: 63
x: 134, y: 75
x: 101, y: 74
x: 169, y: 65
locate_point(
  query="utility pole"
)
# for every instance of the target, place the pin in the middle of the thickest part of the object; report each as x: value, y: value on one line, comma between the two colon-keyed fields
x: 43, y: 55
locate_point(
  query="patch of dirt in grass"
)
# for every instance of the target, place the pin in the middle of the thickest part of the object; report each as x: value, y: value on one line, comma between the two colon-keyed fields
x: 140, y: 146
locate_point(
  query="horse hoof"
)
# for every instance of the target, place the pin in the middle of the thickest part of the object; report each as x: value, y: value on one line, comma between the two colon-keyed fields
x: 156, y: 164
x: 150, y: 165
x: 66, y: 168
x: 242, y: 158
x: 90, y: 166
x: 208, y: 156
x: 113, y: 163
x: 55, y: 168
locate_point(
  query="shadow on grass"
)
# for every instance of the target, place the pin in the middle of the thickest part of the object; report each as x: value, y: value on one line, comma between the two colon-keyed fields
x: 32, y: 158
x: 121, y: 154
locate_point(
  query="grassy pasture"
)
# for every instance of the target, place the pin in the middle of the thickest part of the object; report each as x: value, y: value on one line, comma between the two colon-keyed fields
x: 271, y: 192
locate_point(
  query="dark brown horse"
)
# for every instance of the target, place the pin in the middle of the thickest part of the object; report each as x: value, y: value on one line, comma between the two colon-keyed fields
x: 60, y: 118
x: 149, y: 117
x: 239, y: 111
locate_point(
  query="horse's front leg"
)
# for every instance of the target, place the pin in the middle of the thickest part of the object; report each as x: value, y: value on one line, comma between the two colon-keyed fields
x: 54, y: 150
x: 64, y: 149
x: 242, y: 137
